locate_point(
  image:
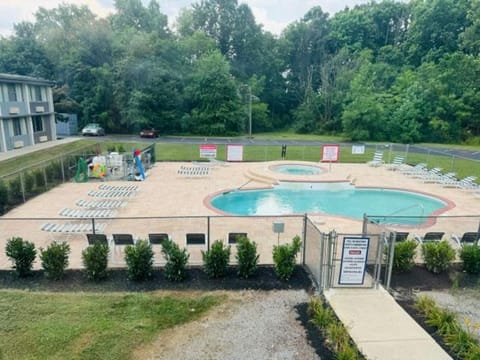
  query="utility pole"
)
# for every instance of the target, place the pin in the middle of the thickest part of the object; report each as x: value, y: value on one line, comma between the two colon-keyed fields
x: 249, y: 111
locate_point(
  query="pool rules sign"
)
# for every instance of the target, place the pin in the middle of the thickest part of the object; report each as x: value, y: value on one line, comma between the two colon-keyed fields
x: 354, y: 260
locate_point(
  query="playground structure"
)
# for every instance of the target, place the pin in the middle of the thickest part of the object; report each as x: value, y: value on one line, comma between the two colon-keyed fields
x: 116, y: 166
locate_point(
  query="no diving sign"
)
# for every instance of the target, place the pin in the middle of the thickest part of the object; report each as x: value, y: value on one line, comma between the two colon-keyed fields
x: 354, y: 260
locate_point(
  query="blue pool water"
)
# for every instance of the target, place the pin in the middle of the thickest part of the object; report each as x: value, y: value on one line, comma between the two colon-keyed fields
x: 293, y: 169
x: 340, y: 199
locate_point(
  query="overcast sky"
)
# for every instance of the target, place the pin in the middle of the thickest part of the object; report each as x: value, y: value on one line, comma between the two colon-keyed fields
x: 273, y: 14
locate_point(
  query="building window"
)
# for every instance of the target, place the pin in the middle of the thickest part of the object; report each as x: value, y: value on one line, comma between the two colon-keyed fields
x: 195, y: 239
x: 37, y: 93
x: 12, y: 92
x: 17, y: 127
x: 37, y: 123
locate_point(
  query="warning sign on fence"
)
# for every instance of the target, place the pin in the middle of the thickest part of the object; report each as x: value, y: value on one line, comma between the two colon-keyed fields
x: 354, y: 260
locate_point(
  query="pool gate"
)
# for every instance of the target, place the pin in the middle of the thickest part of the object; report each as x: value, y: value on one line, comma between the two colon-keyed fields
x: 346, y: 260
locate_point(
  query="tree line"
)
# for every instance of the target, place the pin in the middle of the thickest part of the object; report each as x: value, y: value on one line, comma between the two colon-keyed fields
x: 387, y: 71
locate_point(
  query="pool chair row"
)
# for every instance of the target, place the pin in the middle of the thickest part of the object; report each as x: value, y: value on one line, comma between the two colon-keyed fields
x: 194, y: 170
x: 157, y: 238
x: 467, y: 238
x: 124, y: 239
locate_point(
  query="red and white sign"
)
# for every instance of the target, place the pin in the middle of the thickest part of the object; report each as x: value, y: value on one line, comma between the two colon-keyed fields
x: 354, y: 260
x: 330, y: 153
x: 208, y: 151
x: 234, y: 152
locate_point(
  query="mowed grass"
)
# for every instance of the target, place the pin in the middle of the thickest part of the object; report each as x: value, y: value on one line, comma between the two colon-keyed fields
x: 190, y: 152
x: 36, y: 325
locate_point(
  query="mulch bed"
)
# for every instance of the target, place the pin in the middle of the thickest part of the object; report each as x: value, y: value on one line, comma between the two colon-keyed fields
x: 75, y: 280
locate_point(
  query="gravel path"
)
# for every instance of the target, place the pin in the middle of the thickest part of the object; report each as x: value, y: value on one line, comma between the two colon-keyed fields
x: 250, y: 325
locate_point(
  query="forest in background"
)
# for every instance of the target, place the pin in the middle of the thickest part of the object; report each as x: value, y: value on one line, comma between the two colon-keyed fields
x: 383, y: 71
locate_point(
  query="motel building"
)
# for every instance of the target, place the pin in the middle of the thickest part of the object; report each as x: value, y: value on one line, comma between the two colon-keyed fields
x: 26, y: 112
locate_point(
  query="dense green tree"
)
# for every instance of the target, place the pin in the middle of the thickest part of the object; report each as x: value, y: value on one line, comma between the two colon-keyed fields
x: 22, y: 54
x: 435, y: 29
x: 213, y: 98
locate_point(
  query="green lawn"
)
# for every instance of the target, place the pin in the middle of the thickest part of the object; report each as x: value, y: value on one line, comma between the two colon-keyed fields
x: 190, y: 152
x: 37, y: 325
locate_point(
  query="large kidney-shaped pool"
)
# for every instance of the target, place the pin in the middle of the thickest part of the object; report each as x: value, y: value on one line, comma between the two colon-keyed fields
x: 340, y: 199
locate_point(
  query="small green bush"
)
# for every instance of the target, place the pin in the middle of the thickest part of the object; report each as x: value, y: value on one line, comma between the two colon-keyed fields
x: 3, y: 197
x: 121, y: 149
x: 403, y: 257
x: 175, y: 268
x: 320, y: 314
x: 247, y: 257
x: 284, y: 258
x: 462, y: 342
x: 39, y: 178
x: 336, y: 335
x: 470, y: 255
x: 215, y: 260
x: 54, y: 172
x: 29, y: 180
x: 15, y: 187
x: 111, y: 148
x: 139, y: 259
x: 95, y: 261
x: 55, y: 259
x: 22, y: 253
x: 438, y: 256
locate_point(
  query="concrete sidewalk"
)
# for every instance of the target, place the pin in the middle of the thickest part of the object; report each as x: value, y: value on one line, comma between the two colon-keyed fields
x: 380, y: 327
x: 29, y: 149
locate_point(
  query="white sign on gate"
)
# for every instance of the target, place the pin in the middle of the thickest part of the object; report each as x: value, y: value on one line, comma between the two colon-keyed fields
x: 354, y: 260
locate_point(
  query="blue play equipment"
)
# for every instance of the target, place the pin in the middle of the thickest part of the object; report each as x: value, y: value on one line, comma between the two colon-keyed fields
x: 137, y: 155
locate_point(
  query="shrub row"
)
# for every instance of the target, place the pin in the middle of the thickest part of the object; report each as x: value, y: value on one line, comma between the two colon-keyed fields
x: 37, y: 181
x: 462, y: 342
x: 333, y: 331
x: 437, y: 256
x: 139, y: 259
x: 23, y: 253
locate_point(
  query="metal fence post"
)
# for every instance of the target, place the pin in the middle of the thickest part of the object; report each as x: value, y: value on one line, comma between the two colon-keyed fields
x: 45, y: 177
x: 391, y: 253
x: 208, y: 232
x: 304, y: 238
x: 93, y: 225
x: 22, y: 185
x: 321, y: 283
x: 364, y: 225
x: 63, y: 170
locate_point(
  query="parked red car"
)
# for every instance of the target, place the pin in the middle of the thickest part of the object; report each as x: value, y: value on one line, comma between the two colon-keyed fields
x: 149, y: 133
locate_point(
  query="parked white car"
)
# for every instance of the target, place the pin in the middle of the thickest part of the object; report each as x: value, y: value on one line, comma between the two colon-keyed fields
x: 93, y: 130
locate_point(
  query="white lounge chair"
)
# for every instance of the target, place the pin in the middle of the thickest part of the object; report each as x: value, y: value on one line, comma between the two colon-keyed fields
x: 468, y: 238
x: 413, y: 170
x: 377, y: 159
x: 396, y: 163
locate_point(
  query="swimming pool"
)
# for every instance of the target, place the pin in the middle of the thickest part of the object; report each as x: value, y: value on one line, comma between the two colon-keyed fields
x: 297, y: 169
x: 340, y: 199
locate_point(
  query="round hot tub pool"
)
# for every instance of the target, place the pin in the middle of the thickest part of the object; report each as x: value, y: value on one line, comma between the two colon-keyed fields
x: 297, y: 169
